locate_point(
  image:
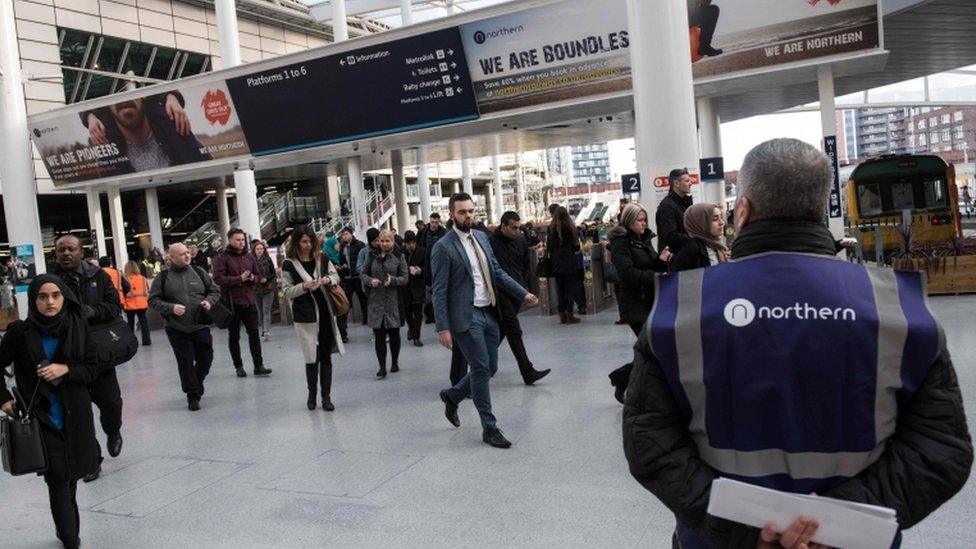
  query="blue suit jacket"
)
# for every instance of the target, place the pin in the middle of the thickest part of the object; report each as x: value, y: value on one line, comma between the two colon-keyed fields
x: 452, y: 288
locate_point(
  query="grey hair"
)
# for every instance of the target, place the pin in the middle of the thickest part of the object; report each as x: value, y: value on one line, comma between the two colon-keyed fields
x: 786, y: 179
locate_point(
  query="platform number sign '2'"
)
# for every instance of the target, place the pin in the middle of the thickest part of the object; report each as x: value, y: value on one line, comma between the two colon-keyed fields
x: 712, y: 169
x: 632, y: 183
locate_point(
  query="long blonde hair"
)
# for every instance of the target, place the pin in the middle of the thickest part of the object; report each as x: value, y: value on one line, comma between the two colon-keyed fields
x: 132, y: 268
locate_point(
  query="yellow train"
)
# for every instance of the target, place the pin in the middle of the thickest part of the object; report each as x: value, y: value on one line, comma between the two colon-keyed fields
x: 895, y: 191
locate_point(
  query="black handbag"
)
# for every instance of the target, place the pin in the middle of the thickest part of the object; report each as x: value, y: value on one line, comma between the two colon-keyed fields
x: 115, y: 343
x: 218, y: 315
x: 21, y: 441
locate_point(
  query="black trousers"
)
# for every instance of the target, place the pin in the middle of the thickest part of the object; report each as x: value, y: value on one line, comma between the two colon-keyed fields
x: 566, y: 290
x: 621, y: 376
x: 143, y: 324
x: 194, y: 356
x: 64, y: 510
x: 248, y: 315
x: 353, y: 286
x: 705, y: 17
x: 508, y: 321
x: 380, y: 336
x: 107, y: 396
x: 415, y: 319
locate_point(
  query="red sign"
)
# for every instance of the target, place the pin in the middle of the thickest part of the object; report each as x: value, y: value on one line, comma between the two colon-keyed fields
x: 663, y: 183
x: 216, y: 107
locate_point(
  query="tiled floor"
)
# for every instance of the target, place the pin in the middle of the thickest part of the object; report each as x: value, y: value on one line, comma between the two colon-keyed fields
x: 254, y: 468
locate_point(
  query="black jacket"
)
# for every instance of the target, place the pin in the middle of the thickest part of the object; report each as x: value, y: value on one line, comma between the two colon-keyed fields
x: 416, y: 288
x: 924, y: 464
x: 562, y: 253
x: 347, y: 267
x: 426, y: 240
x: 670, y: 219
x: 636, y: 262
x: 693, y: 255
x: 72, y: 452
x: 307, y: 307
x: 99, y: 298
x: 513, y: 256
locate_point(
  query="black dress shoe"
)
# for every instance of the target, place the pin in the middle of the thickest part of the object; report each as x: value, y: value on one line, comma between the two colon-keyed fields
x: 193, y: 404
x: 261, y: 371
x: 327, y: 405
x: 709, y: 51
x: 241, y: 372
x: 450, y: 409
x: 418, y: 343
x: 345, y: 339
x: 115, y: 445
x: 495, y: 438
x: 382, y: 373
x: 93, y: 476
x: 395, y: 368
x: 535, y: 375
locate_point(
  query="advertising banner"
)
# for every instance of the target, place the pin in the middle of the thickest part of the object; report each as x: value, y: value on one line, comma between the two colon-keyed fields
x: 730, y: 36
x: 146, y: 134
x: 404, y: 85
x: 541, y: 55
x: 24, y: 268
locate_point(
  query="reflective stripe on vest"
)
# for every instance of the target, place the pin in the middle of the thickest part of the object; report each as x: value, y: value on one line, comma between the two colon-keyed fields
x: 790, y: 368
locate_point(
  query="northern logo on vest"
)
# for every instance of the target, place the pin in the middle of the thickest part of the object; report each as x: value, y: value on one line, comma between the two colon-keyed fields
x: 742, y: 312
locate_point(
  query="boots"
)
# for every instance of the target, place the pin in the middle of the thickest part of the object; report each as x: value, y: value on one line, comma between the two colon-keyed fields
x: 570, y: 319
x: 326, y: 380
x: 562, y: 317
x: 311, y: 378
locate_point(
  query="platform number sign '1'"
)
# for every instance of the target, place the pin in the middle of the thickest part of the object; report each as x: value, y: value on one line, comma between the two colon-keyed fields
x: 632, y: 183
x: 712, y: 169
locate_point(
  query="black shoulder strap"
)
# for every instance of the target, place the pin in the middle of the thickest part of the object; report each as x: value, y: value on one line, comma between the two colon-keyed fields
x: 162, y: 282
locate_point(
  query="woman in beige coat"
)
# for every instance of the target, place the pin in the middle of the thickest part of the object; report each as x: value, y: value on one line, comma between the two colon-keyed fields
x: 306, y: 276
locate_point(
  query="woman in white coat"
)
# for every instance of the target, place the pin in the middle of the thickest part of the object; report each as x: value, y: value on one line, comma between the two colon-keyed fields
x: 306, y: 275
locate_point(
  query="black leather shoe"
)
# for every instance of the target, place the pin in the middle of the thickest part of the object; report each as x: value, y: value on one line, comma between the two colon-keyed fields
x: 709, y: 51
x: 327, y: 405
x: 241, y: 372
x: 382, y: 373
x: 262, y: 371
x: 495, y: 438
x: 193, y: 404
x: 395, y: 368
x: 450, y: 409
x: 93, y: 476
x: 345, y: 339
x: 535, y: 375
x: 418, y: 343
x: 115, y: 445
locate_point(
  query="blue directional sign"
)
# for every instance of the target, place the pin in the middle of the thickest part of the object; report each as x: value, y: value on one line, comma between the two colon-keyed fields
x: 413, y: 83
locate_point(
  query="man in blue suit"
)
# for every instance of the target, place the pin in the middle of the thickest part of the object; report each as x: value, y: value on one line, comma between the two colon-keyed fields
x: 466, y: 279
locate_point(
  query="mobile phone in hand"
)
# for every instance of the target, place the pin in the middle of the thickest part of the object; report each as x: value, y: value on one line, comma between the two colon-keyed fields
x: 44, y: 364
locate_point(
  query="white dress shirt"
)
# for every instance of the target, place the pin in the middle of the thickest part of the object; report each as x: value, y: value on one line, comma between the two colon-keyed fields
x: 481, y: 297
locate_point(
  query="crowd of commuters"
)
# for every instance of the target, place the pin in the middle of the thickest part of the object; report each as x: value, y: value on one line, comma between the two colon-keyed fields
x: 887, y: 425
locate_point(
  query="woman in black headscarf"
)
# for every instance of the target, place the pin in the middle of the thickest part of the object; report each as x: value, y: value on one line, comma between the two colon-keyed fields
x: 54, y: 360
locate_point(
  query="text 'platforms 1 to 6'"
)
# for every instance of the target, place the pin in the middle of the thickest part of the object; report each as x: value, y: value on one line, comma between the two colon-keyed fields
x: 413, y: 83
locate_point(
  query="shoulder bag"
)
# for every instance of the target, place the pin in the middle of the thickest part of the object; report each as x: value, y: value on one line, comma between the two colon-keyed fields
x: 21, y: 441
x: 218, y: 315
x: 115, y: 344
x: 337, y: 296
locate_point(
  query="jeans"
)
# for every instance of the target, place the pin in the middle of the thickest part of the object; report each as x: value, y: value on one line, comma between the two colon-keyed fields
x: 194, y: 355
x: 143, y: 324
x: 480, y: 348
x: 566, y: 284
x: 265, y: 306
x: 64, y: 510
x: 248, y: 314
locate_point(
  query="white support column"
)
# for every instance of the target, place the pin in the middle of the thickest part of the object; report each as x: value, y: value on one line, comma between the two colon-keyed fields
x: 498, y: 203
x: 118, y: 227
x: 467, y: 183
x: 400, y: 192
x: 230, y: 54
x: 828, y: 122
x: 423, y: 182
x: 340, y: 24
x: 664, y: 95
x: 332, y: 188
x: 16, y: 158
x: 710, y: 130
x: 451, y: 10
x: 519, y: 187
x: 223, y: 215
x: 357, y: 196
x: 95, y: 220
x: 406, y: 12
x: 155, y: 224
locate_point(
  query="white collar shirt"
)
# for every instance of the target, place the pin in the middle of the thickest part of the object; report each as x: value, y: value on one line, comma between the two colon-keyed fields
x: 481, y: 297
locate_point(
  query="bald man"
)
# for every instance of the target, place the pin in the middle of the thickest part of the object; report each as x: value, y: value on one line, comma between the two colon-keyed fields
x: 180, y: 294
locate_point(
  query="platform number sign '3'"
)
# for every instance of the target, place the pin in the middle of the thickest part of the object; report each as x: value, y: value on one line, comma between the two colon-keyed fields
x: 632, y: 183
x: 712, y: 169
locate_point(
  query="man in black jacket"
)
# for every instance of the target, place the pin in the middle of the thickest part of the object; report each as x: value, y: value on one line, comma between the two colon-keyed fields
x: 879, y: 405
x: 512, y: 254
x: 100, y: 303
x: 670, y: 214
x: 416, y: 290
x: 349, y: 248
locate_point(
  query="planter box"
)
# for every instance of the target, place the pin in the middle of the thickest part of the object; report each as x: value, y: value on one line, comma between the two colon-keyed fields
x: 956, y: 275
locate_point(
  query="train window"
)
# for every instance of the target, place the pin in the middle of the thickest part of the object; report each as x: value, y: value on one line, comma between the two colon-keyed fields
x: 869, y: 199
x: 902, y: 197
x: 935, y: 193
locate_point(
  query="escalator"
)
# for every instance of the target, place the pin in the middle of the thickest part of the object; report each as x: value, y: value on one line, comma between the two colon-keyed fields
x: 276, y: 214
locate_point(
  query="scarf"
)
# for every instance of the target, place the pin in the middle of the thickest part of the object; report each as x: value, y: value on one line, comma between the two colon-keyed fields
x: 698, y: 223
x: 67, y: 326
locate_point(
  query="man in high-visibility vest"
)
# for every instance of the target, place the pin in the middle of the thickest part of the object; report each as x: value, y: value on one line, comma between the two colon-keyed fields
x: 121, y: 284
x: 794, y: 370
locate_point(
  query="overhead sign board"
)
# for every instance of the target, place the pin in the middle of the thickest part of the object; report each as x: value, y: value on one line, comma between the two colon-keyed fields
x: 632, y: 183
x: 712, y: 169
x: 830, y: 149
x: 403, y: 85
